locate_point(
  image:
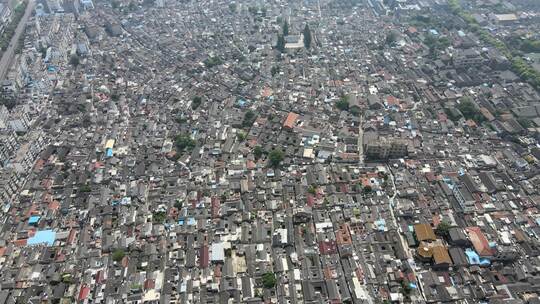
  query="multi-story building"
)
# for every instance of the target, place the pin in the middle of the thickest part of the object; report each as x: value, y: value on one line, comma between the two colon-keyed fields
x: 24, y: 158
x: 10, y: 181
x: 379, y: 148
x: 5, y: 16
x: 8, y: 145
x: 468, y: 58
x: 19, y: 121
x: 464, y: 198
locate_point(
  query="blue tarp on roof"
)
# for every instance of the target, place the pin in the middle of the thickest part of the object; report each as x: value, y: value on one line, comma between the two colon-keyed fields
x: 381, y: 224
x: 33, y: 219
x: 241, y: 102
x: 472, y: 256
x: 125, y: 201
x: 484, y: 262
x: 43, y: 237
x: 109, y: 152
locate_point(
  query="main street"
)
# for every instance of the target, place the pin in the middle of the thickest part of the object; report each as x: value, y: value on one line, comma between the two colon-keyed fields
x: 9, y: 53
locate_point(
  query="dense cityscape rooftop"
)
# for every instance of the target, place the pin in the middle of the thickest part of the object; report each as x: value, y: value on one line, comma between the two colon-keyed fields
x: 329, y: 151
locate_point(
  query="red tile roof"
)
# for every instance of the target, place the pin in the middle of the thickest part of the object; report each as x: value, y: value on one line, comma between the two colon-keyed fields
x: 479, y: 241
x: 328, y: 247
x: 290, y: 120
x: 83, y: 294
x: 204, y: 257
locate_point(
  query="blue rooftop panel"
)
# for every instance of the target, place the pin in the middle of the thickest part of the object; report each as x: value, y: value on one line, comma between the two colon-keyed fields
x: 46, y: 237
x: 33, y: 219
x: 381, y: 224
x: 472, y: 256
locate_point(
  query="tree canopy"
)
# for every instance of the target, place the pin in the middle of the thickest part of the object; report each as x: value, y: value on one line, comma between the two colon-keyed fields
x: 249, y: 119
x: 443, y: 229
x: 269, y: 280
x: 275, y: 157
x: 343, y: 103
x: 118, y: 255
x: 285, y: 28
x: 74, y: 60
x: 196, y: 102
x: 280, y: 46
x: 184, y: 143
x: 307, y: 37
x: 469, y: 110
x: 258, y: 152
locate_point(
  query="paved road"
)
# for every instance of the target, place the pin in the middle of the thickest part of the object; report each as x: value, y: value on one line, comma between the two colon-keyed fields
x: 400, y: 232
x: 361, y: 156
x: 7, y: 56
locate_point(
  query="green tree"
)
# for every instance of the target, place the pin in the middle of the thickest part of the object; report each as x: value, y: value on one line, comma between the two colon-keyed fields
x: 343, y: 103
x: 285, y: 28
x: 67, y: 278
x: 249, y: 119
x: 159, y: 217
x: 86, y: 188
x: 443, y: 229
x: 280, y: 46
x: 118, y: 255
x: 241, y: 136
x: 354, y: 110
x: 74, y: 60
x: 367, y: 190
x: 469, y: 110
x: 269, y: 280
x: 391, y: 38
x: 275, y: 157
x: 275, y: 69
x: 258, y: 152
x: 196, y: 102
x: 307, y: 37
x: 212, y: 61
x: 184, y: 143
x: 232, y: 7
